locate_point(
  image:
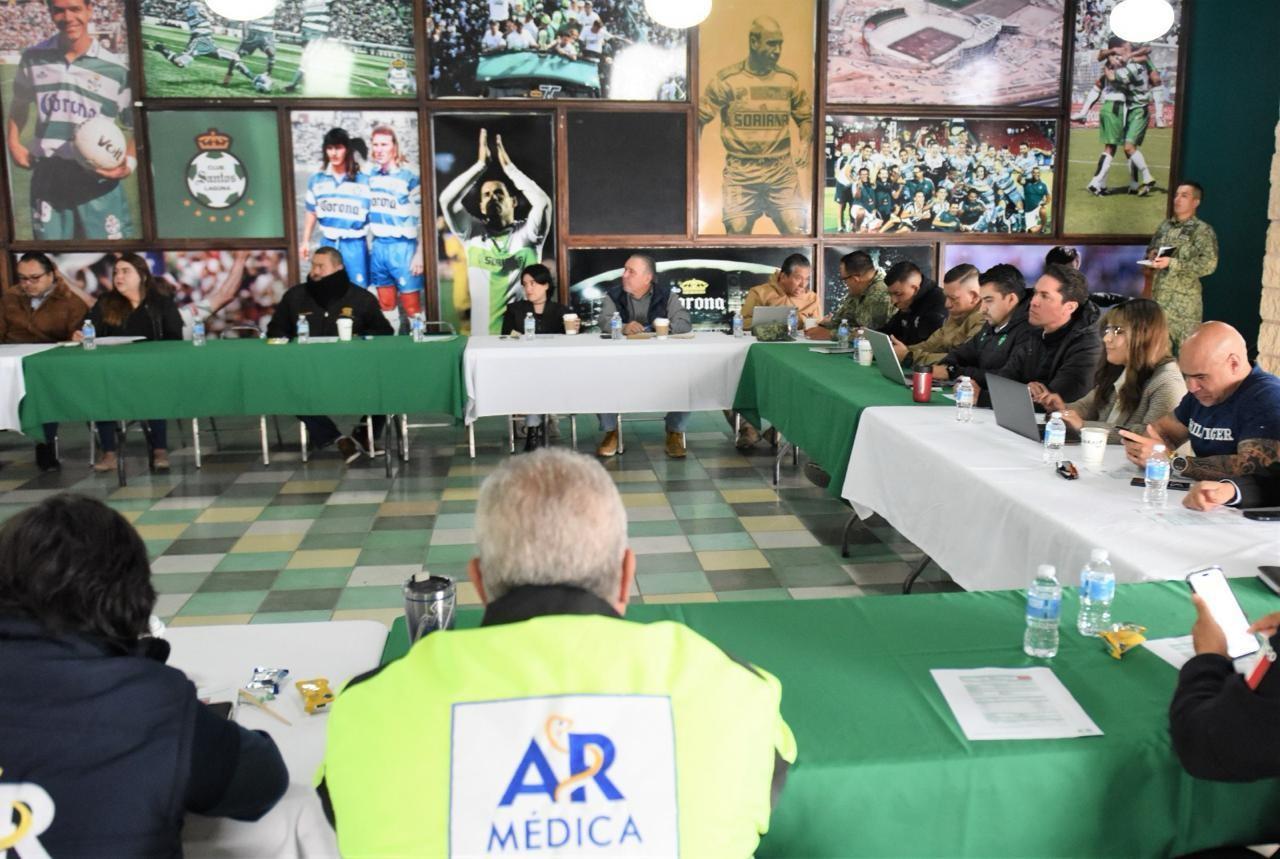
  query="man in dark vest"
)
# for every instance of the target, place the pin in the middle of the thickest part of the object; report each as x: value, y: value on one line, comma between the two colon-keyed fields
x: 639, y: 300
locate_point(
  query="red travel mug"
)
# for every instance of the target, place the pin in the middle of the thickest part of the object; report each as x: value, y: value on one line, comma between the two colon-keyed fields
x: 922, y: 384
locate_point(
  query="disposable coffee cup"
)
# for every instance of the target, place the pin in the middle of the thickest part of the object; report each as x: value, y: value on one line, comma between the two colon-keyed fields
x: 662, y: 327
x: 572, y: 325
x: 429, y: 603
x: 1093, y: 443
x: 344, y: 328
x: 810, y: 322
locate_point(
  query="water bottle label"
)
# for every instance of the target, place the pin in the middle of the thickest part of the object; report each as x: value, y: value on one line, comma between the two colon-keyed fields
x: 1043, y: 608
x: 1100, y: 590
x: 1157, y: 469
x: 964, y: 398
x: 1055, y: 437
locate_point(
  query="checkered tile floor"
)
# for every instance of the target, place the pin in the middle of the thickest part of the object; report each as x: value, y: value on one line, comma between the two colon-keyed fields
x: 234, y: 542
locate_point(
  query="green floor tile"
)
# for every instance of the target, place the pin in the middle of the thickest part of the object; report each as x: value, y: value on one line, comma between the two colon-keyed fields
x: 661, y: 528
x: 343, y: 525
x: 705, y: 496
x: 397, y: 539
x: 813, y: 576
x: 238, y: 580
x: 394, y: 556
x: 673, y: 583
x: 450, y: 554
x: 455, y: 520
x: 324, y: 577
x: 321, y: 540
x: 301, y: 599
x: 230, y: 602
x: 457, y: 507
x: 214, y: 530
x: 348, y: 511
x: 291, y: 511
x: 156, y: 548
x: 178, y: 583
x: 702, y: 511
x: 292, y: 616
x: 727, y: 525
x: 753, y: 595
x: 167, y: 517
x: 803, y: 557
x: 254, y: 561
x: 371, y: 597
x: 712, y: 542
x: 674, y: 562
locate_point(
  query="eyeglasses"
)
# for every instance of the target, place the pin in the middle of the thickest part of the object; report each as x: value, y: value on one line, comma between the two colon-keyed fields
x: 1112, y: 331
x: 32, y: 278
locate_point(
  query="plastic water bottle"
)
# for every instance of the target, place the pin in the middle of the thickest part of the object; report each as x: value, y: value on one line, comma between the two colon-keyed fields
x: 1097, y: 590
x: 197, y: 333
x: 737, y: 323
x: 416, y: 328
x: 88, y: 334
x: 304, y: 330
x: 530, y: 326
x: 1055, y: 436
x: 1044, y: 606
x: 964, y: 400
x: 792, y: 322
x: 1156, y: 492
x: 842, y: 334
x: 615, y: 327
x: 864, y: 349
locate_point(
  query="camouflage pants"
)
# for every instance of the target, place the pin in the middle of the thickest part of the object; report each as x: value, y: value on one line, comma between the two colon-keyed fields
x: 1183, y: 309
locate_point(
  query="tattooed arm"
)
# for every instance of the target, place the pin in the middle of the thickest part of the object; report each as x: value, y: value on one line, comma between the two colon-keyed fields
x: 1252, y: 456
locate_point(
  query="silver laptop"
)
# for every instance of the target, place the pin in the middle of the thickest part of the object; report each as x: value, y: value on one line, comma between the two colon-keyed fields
x: 764, y: 315
x: 886, y: 360
x: 1013, y: 406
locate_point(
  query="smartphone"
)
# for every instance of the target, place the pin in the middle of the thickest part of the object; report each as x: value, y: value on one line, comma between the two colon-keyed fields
x: 1180, y: 485
x: 1212, y: 587
x: 1270, y: 577
x: 221, y: 709
x: 1263, y: 514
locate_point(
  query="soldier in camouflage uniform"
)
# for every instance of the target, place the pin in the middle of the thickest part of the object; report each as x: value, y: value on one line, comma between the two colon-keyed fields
x: 1176, y: 287
x: 866, y: 303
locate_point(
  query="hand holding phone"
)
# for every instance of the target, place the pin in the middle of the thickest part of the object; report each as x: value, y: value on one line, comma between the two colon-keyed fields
x: 1221, y: 626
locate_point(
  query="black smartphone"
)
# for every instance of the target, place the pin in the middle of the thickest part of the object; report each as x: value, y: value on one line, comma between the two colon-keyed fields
x: 1180, y: 485
x: 221, y: 709
x: 1263, y: 514
x: 1211, y: 585
x: 1270, y: 577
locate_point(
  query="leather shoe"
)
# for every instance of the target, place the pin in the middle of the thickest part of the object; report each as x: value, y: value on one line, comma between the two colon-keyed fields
x: 609, y: 444
x: 347, y: 449
x: 748, y: 436
x: 46, y: 459
x: 675, y: 445
x: 815, y: 475
x: 105, y: 463
x: 160, y: 459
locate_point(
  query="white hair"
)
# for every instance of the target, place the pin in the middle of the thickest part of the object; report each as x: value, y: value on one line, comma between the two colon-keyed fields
x: 551, y: 518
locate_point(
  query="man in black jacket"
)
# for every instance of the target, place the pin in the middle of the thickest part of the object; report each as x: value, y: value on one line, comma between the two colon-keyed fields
x: 327, y: 296
x: 1062, y: 356
x: 921, y: 304
x: 1001, y: 291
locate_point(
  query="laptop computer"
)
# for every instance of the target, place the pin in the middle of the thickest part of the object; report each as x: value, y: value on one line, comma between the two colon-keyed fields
x: 764, y: 315
x: 887, y: 361
x: 1013, y: 407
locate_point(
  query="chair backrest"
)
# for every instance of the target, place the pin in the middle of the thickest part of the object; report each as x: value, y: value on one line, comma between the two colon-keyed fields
x: 240, y: 332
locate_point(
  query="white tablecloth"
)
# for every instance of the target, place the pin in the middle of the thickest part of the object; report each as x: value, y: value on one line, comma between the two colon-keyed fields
x: 979, y: 500
x: 222, y: 658
x: 583, y: 374
x: 12, y: 388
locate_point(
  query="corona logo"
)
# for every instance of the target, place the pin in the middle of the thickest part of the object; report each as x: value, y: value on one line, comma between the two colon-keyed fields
x: 694, y: 286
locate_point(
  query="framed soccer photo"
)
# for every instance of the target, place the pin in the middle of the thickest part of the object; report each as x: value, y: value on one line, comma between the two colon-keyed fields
x: 69, y: 123
x: 358, y: 189
x: 495, y: 174
x: 881, y: 257
x: 294, y: 48
x: 1123, y: 124
x: 1109, y: 269
x: 607, y: 49
x: 711, y: 283
x: 945, y: 52
x: 903, y: 175
x: 755, y: 118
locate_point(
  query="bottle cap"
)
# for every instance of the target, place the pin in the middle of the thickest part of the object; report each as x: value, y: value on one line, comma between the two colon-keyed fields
x: 1046, y: 570
x: 1098, y: 555
x: 1055, y: 415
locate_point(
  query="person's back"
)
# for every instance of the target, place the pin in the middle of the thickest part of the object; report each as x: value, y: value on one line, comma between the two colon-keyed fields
x: 556, y: 724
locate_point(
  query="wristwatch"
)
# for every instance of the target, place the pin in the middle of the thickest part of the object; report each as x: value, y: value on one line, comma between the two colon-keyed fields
x: 1178, y: 464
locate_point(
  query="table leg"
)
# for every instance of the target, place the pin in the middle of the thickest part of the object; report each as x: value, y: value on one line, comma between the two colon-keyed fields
x: 404, y: 437
x: 471, y: 439
x: 262, y: 434
x: 195, y: 438
x: 511, y: 433
x: 844, y: 536
x: 622, y: 447
x: 121, y: 478
x: 573, y: 430
x: 783, y: 444
x: 302, y: 438
x: 386, y: 449
x: 910, y: 580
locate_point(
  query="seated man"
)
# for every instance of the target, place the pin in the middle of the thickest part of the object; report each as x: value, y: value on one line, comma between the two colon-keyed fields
x: 964, y: 318
x: 105, y: 747
x: 639, y: 300
x: 327, y: 296
x: 1001, y: 288
x: 41, y: 309
x: 866, y: 304
x: 786, y: 287
x: 921, y: 305
x: 1062, y: 355
x: 1261, y: 489
x: 556, y: 712
x: 1231, y: 413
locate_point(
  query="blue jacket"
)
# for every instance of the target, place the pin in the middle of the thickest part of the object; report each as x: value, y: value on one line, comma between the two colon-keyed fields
x: 658, y: 298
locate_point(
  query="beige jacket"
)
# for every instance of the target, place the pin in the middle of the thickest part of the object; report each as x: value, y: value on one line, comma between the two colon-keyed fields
x: 1164, y: 390
x: 953, y: 332
x: 770, y: 294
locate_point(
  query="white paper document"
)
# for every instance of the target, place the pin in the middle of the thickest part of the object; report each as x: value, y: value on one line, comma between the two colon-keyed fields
x: 1012, y: 704
x: 1178, y: 517
x: 1175, y: 651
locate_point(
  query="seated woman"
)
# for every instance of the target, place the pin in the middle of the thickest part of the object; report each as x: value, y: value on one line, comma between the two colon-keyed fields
x: 1139, y: 382
x: 548, y: 318
x: 137, y: 305
x: 109, y: 746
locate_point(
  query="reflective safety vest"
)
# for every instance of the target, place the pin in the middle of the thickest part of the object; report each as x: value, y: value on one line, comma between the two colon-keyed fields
x: 583, y: 734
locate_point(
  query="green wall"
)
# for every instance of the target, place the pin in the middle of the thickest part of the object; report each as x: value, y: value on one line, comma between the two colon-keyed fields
x: 1232, y: 104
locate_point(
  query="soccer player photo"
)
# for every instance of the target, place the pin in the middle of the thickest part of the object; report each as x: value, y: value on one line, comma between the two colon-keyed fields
x: 903, y: 175
x: 359, y: 191
x: 945, y: 52
x: 554, y: 49
x: 69, y: 121
x: 495, y: 176
x: 755, y: 118
x: 1122, y: 126
x: 302, y: 48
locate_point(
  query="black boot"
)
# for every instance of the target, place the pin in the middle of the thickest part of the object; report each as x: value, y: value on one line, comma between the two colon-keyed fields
x: 530, y: 438
x: 46, y: 459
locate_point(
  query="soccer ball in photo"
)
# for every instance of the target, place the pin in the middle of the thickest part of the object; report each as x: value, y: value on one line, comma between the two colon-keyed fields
x: 100, y: 143
x: 263, y: 83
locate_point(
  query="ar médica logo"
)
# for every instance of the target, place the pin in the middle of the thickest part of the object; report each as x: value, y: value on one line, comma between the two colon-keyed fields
x: 548, y: 806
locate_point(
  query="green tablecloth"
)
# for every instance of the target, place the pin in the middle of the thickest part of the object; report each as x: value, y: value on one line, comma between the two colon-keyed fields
x: 173, y: 379
x: 884, y: 769
x: 814, y: 399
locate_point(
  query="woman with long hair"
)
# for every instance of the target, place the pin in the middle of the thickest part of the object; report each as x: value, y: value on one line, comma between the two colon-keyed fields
x: 137, y: 305
x: 1139, y: 381
x: 338, y: 201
